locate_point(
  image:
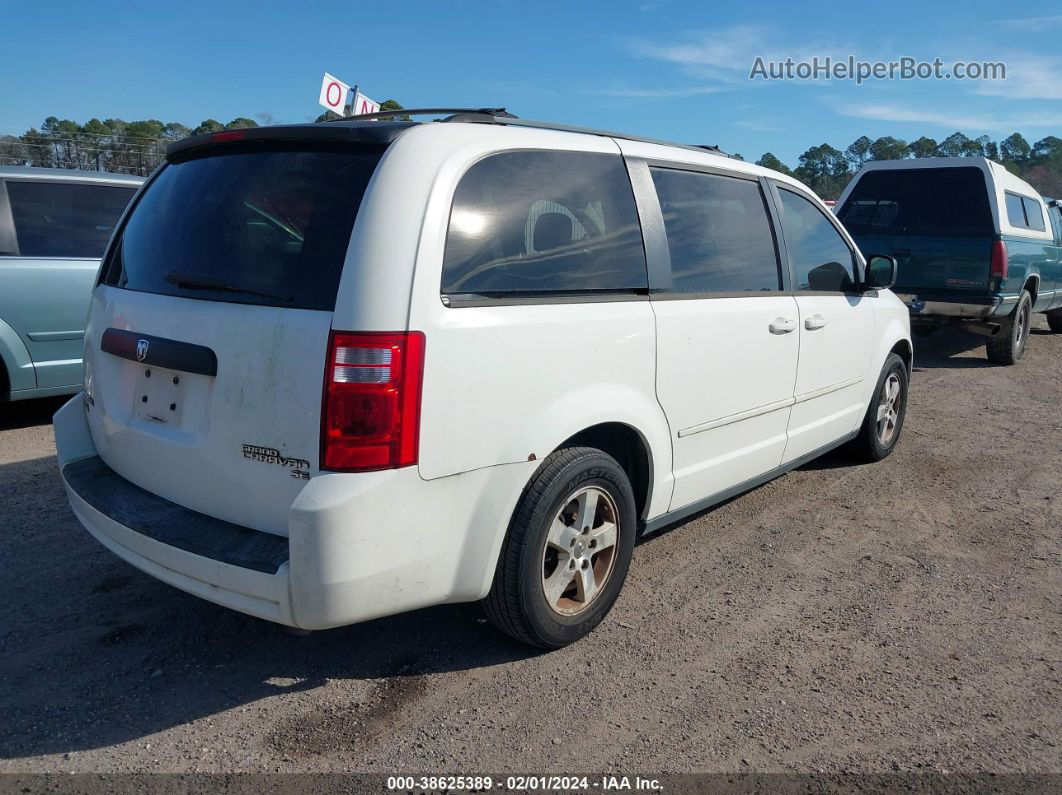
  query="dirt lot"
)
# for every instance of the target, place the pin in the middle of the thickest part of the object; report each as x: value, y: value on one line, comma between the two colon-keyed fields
x: 903, y: 616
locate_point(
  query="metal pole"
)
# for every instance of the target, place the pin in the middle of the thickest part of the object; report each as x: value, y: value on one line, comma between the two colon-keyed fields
x: 353, y: 100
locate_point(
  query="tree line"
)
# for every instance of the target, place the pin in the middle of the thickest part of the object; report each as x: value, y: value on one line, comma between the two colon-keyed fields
x: 115, y: 145
x: 827, y: 170
x: 137, y: 147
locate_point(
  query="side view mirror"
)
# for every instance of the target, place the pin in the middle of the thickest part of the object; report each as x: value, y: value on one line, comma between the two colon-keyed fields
x: 881, y: 272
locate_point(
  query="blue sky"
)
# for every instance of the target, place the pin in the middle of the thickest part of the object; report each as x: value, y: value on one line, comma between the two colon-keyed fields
x: 676, y: 70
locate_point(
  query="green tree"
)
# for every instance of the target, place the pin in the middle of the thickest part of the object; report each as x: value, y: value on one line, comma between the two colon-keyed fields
x: 888, y: 148
x: 823, y: 169
x: 954, y: 145
x: 1047, y: 148
x: 770, y: 161
x: 858, y: 152
x: 175, y: 131
x: 393, y: 104
x: 208, y: 126
x: 989, y: 148
x: 1015, y: 149
x: 923, y: 147
x: 241, y: 123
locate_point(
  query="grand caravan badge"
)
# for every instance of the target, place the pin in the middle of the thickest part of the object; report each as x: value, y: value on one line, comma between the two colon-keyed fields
x: 299, y: 467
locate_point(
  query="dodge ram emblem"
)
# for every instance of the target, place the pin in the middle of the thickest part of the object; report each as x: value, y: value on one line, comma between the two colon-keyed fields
x: 141, y: 350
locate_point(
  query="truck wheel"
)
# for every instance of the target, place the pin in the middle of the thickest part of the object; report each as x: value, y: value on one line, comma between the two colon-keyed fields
x: 1054, y: 320
x: 567, y: 551
x: 884, y: 418
x: 1008, y: 346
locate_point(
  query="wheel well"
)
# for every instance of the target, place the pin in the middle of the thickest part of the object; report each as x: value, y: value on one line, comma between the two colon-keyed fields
x: 5, y: 384
x: 903, y: 350
x: 1032, y: 285
x: 628, y: 447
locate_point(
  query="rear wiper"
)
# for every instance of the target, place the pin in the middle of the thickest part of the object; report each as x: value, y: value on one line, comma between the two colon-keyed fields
x: 199, y: 281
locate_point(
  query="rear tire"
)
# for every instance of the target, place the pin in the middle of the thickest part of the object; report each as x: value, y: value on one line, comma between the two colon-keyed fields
x: 550, y: 587
x: 1008, y: 346
x: 884, y: 418
x: 1054, y: 320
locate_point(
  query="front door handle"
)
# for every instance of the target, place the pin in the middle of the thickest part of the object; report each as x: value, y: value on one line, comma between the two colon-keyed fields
x: 814, y: 322
x: 782, y: 325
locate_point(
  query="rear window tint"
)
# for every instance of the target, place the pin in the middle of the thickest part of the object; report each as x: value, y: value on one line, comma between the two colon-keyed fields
x: 246, y: 226
x: 923, y: 201
x: 1033, y: 214
x: 718, y: 233
x: 544, y: 222
x: 1015, y: 210
x: 62, y: 219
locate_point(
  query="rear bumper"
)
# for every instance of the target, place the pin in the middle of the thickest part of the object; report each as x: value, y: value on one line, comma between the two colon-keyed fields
x: 358, y: 546
x: 921, y: 305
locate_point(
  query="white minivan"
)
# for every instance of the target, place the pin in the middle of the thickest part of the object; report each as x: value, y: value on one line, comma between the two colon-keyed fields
x: 343, y: 370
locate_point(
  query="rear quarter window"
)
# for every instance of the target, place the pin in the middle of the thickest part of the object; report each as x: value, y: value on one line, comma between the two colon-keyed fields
x: 1015, y: 210
x: 252, y: 225
x: 1033, y: 214
x: 540, y: 223
x: 62, y: 219
x: 919, y: 201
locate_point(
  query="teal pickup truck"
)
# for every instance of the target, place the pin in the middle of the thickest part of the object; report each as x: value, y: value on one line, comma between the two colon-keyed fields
x: 976, y: 246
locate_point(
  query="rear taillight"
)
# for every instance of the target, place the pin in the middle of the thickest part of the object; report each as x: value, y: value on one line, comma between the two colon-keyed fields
x: 371, y: 414
x: 998, y: 269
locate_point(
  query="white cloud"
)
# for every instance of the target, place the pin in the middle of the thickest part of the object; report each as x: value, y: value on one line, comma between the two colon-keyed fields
x: 727, y: 55
x: 1031, y: 23
x: 654, y: 93
x: 756, y: 126
x: 943, y: 119
x: 1028, y: 77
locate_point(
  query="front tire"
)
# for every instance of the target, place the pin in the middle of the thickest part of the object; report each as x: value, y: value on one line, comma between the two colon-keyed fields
x: 1008, y: 346
x: 884, y: 419
x: 567, y: 551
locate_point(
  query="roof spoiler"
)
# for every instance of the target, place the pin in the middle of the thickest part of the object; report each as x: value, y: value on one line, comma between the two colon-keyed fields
x: 373, y: 134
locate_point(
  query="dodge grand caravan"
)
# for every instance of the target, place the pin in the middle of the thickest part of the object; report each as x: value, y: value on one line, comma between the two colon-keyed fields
x: 977, y: 246
x: 344, y: 370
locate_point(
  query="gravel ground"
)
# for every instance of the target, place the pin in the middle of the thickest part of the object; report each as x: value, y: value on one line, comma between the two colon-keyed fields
x: 897, y: 617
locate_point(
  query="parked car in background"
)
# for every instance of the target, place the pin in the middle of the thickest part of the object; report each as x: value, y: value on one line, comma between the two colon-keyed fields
x: 976, y: 246
x: 54, y: 225
x: 345, y: 370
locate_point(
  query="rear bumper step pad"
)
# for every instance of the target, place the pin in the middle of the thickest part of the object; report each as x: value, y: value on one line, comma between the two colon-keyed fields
x: 169, y: 523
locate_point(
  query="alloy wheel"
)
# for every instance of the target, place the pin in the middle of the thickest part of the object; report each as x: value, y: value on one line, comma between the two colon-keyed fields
x: 580, y: 551
x: 889, y: 409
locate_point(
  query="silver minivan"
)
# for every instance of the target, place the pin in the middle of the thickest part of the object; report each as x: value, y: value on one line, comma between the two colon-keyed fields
x: 54, y: 225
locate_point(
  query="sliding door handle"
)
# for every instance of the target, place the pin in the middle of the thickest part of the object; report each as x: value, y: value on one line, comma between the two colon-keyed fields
x: 782, y: 325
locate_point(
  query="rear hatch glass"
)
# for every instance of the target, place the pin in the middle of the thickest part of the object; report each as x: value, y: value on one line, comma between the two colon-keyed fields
x: 206, y: 341
x: 951, y: 202
x: 246, y: 225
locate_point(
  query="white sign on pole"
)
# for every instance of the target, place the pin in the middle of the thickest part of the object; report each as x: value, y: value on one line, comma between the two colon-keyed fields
x: 362, y: 104
x: 334, y: 94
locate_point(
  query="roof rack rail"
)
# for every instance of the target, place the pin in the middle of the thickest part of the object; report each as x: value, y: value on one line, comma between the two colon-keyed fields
x: 456, y: 114
x: 501, y: 116
x: 548, y: 125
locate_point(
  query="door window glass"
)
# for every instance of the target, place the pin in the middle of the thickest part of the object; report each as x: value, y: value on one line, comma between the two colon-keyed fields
x: 718, y: 233
x: 61, y: 219
x: 821, y: 259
